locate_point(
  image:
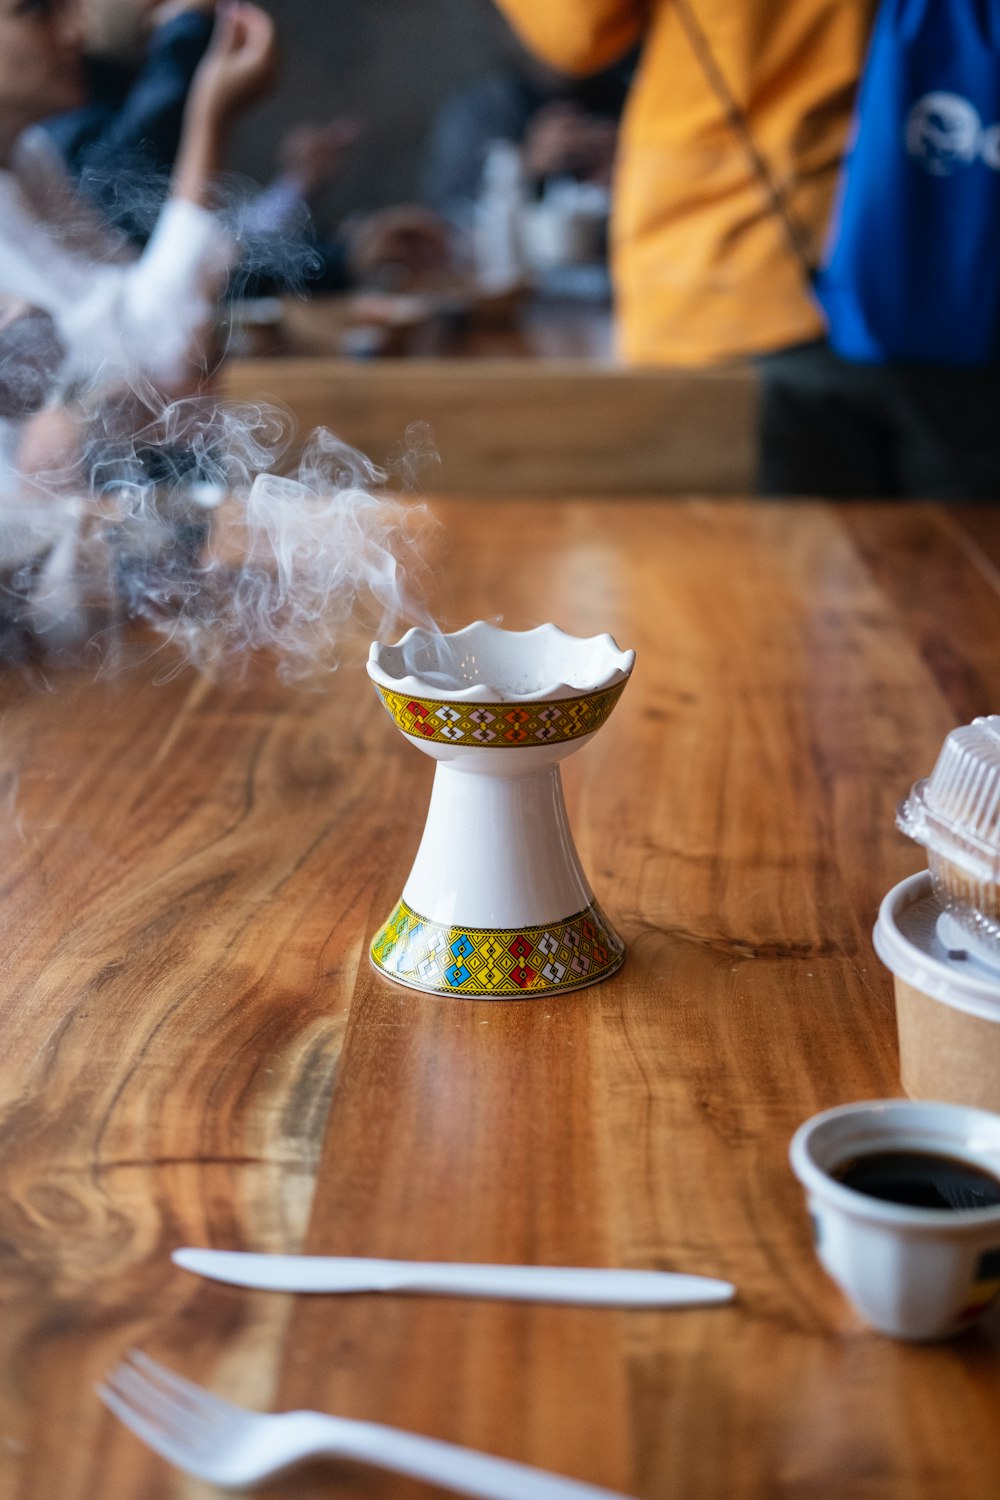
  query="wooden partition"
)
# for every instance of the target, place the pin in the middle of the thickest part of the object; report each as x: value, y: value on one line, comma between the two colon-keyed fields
x: 546, y: 427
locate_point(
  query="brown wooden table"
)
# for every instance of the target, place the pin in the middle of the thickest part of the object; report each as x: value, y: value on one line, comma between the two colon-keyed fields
x: 546, y: 427
x: 195, y: 1049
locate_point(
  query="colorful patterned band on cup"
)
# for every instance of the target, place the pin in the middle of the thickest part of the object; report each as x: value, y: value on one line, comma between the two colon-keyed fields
x: 498, y: 963
x: 499, y: 726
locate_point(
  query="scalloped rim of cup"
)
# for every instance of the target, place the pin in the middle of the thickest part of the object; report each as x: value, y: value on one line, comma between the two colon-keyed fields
x: 619, y: 667
x: 819, y: 1181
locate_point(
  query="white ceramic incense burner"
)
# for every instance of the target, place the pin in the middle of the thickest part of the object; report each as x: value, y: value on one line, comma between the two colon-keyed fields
x: 497, y: 905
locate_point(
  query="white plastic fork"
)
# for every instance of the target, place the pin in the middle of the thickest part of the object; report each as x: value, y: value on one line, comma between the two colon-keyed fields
x: 234, y: 1448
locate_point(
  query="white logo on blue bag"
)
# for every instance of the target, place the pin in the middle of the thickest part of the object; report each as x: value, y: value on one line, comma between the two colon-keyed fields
x: 944, y: 132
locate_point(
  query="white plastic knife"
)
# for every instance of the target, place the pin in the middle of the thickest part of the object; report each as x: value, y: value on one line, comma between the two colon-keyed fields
x: 322, y: 1273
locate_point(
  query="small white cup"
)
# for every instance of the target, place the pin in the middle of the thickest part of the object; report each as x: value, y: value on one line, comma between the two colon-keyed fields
x: 914, y: 1273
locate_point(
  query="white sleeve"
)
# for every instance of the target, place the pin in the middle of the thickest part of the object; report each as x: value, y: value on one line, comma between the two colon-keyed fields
x: 155, y: 316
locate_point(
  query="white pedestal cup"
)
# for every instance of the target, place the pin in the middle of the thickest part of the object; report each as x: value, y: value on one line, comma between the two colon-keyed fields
x: 497, y: 904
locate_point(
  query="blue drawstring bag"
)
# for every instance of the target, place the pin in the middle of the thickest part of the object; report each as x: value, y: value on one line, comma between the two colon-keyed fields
x: 912, y: 270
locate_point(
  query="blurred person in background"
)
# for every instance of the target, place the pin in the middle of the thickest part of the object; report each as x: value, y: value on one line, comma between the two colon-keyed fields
x: 118, y: 318
x: 703, y: 266
x: 732, y: 148
x: 139, y: 60
x: 565, y: 127
x: 121, y: 144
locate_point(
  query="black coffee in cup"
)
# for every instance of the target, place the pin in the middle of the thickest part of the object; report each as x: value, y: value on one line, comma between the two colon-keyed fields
x: 920, y: 1179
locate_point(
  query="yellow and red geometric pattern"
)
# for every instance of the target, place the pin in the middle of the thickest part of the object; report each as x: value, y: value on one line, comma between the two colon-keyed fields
x: 497, y: 963
x: 501, y: 725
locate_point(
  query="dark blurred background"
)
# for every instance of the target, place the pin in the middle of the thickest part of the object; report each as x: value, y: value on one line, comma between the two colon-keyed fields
x: 390, y: 63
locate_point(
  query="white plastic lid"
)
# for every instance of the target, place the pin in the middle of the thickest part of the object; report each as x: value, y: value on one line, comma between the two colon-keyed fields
x: 956, y: 810
x: 908, y: 942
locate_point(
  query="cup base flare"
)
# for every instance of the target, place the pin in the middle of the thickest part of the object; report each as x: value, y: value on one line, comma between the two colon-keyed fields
x: 505, y: 963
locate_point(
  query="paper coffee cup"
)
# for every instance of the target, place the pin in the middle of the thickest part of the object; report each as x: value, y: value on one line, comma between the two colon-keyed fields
x: 947, y: 1002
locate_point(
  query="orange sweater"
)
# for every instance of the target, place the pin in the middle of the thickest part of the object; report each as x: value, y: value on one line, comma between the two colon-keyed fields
x: 702, y: 264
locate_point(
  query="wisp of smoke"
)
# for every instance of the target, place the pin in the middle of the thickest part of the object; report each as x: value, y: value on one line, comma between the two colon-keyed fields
x: 187, y: 516
x: 273, y: 253
x: 185, y: 522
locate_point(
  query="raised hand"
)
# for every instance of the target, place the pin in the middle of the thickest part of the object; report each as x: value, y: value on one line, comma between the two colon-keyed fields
x: 239, y: 67
x: 311, y: 154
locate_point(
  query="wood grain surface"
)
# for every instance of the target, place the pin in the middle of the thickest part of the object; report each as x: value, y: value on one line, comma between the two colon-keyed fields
x: 552, y: 427
x: 195, y: 1049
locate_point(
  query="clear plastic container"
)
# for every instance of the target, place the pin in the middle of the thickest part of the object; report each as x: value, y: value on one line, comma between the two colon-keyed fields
x: 955, y: 814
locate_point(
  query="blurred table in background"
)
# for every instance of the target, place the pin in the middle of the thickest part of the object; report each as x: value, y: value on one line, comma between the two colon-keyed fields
x: 197, y: 1050
x: 448, y: 322
x: 543, y: 427
x: 519, y: 393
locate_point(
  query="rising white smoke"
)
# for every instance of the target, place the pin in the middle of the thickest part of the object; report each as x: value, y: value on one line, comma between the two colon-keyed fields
x: 188, y: 522
x: 189, y: 518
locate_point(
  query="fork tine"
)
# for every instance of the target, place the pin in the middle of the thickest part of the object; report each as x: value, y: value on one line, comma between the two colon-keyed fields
x: 174, y: 1418
x: 149, y: 1432
x: 195, y: 1435
x: 193, y: 1397
x: 171, y: 1424
x: 234, y: 1448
